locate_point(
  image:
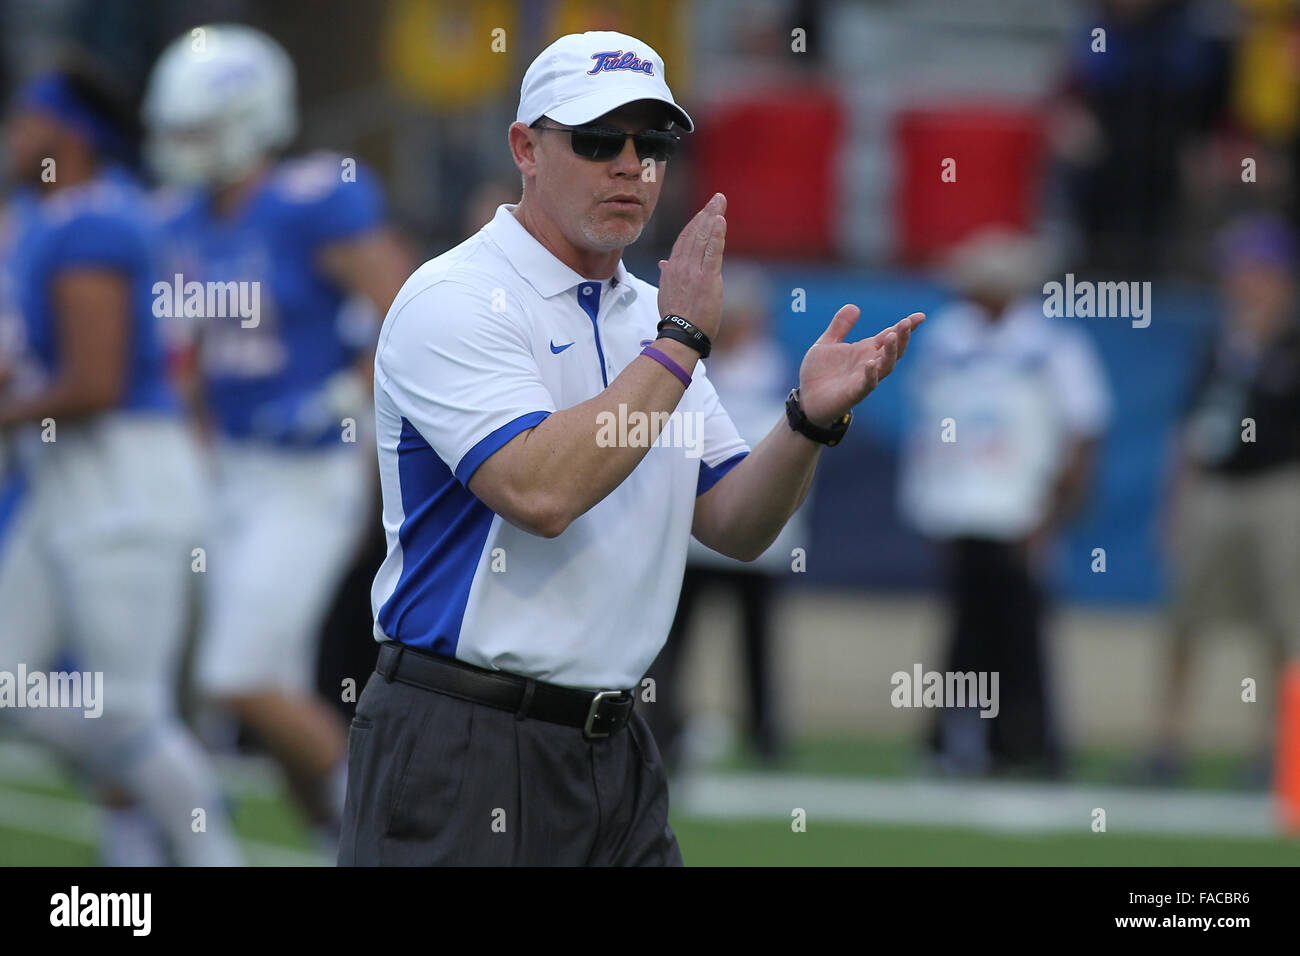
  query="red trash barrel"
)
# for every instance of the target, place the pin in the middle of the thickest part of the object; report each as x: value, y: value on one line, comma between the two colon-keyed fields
x: 997, y: 155
x: 776, y: 157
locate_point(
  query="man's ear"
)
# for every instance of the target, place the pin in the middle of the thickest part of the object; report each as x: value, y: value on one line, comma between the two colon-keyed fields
x: 523, y: 147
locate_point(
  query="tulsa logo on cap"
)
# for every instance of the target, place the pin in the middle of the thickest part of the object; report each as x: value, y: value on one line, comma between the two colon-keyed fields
x: 618, y: 60
x: 583, y: 76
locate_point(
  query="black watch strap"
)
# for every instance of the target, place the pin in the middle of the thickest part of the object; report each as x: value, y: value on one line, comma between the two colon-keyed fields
x: 679, y: 330
x: 799, y: 422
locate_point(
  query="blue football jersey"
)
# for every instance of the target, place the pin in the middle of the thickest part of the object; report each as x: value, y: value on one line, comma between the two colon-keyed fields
x: 259, y: 371
x: 104, y: 223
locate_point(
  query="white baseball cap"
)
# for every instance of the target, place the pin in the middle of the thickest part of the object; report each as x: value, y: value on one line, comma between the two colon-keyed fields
x: 582, y: 76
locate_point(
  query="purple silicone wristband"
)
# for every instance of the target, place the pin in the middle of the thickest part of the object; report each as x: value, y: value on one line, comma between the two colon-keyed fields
x: 651, y: 352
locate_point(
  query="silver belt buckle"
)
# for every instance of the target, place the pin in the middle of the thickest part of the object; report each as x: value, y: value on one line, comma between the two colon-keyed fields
x: 591, y: 714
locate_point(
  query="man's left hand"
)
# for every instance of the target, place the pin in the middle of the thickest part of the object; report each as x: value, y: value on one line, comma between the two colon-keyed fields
x: 835, y: 375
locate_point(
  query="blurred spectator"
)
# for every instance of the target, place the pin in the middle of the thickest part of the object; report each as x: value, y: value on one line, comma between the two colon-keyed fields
x: 1236, y: 513
x: 752, y: 379
x: 1130, y: 109
x: 1009, y: 408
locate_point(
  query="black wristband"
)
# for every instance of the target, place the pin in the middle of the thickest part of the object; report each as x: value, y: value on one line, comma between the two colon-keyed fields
x: 794, y: 414
x: 679, y: 330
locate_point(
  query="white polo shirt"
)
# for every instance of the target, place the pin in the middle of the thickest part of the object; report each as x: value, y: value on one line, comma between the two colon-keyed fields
x: 480, y: 344
x: 995, y: 405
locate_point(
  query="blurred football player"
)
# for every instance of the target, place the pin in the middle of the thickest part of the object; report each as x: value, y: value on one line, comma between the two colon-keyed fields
x: 281, y: 252
x: 98, y: 503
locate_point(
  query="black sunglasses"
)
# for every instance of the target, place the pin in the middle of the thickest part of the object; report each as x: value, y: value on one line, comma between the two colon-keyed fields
x: 603, y: 143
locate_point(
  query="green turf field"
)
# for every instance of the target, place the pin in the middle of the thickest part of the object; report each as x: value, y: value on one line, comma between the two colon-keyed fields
x: 726, y: 843
x: 754, y: 843
x: 48, y: 822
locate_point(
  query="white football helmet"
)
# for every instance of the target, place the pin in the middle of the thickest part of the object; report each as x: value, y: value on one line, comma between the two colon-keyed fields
x: 220, y: 99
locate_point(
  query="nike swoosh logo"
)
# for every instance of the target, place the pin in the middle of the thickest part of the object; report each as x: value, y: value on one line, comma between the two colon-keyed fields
x: 557, y: 349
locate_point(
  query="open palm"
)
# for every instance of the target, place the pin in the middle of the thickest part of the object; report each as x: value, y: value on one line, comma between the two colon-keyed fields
x: 835, y: 375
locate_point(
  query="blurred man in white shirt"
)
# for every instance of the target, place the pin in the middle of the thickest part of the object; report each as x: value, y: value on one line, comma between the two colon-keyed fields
x: 1009, y: 407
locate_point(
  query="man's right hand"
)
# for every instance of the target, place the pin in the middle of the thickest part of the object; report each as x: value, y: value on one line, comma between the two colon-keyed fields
x: 690, y: 279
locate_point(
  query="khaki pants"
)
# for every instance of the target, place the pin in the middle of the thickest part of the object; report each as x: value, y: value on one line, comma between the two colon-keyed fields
x: 1237, y: 553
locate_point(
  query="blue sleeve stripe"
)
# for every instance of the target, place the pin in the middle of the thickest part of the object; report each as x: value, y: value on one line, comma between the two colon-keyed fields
x: 492, y: 443
x: 710, y: 475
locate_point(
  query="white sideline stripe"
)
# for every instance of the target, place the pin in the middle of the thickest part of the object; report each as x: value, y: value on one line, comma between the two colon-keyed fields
x: 1005, y: 807
x: 79, y: 821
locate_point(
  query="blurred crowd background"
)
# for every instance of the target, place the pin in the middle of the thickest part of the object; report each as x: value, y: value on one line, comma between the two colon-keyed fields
x: 1163, y: 149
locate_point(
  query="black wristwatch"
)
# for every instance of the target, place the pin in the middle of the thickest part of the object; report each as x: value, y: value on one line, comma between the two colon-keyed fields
x: 799, y: 422
x: 679, y: 330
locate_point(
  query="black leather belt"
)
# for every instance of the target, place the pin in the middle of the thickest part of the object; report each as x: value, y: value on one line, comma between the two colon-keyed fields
x: 597, y: 713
